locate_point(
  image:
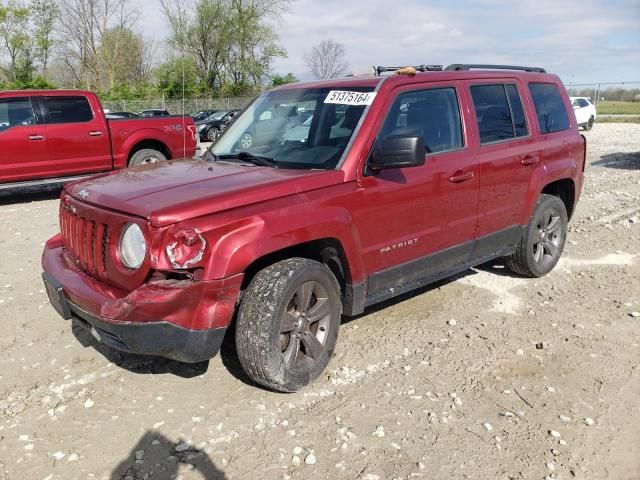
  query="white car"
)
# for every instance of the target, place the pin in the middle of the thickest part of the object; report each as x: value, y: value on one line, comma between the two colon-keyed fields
x: 585, y: 111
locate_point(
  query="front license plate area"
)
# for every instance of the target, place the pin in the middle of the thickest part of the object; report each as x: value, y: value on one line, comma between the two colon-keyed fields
x: 56, y: 296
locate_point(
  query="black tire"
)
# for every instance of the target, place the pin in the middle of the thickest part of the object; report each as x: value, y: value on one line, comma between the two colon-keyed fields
x: 146, y: 156
x: 270, y: 306
x: 589, y: 125
x: 212, y: 134
x: 543, y: 241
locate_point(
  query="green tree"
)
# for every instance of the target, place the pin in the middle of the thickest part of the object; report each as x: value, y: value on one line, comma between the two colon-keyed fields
x: 278, y: 80
x: 43, y: 14
x: 14, y: 35
x: 233, y: 42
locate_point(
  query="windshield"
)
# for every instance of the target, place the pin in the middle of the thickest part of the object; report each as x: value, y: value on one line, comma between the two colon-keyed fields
x: 217, y: 116
x: 297, y: 128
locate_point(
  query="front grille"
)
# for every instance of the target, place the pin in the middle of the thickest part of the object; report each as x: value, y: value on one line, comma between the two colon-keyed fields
x: 85, y: 241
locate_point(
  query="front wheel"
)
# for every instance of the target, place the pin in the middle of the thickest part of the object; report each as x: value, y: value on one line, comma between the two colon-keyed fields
x: 543, y: 241
x: 288, y: 324
x: 212, y: 134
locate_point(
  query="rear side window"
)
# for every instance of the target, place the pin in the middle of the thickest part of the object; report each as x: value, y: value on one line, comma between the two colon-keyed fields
x: 69, y: 110
x: 499, y: 112
x: 15, y: 112
x: 552, y: 116
x: 432, y: 114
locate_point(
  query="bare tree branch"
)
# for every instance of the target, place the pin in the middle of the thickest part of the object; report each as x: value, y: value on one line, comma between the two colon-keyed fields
x: 326, y: 60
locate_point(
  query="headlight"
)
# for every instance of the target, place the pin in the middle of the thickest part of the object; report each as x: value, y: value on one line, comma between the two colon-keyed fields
x: 201, y: 127
x: 133, y: 247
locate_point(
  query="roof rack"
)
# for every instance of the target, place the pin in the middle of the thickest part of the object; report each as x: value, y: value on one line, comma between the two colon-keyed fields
x: 419, y: 68
x: 475, y: 66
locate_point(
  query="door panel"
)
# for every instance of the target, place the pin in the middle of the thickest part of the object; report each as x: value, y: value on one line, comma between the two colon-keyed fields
x: 78, y: 136
x: 507, y: 154
x: 24, y: 151
x: 409, y: 213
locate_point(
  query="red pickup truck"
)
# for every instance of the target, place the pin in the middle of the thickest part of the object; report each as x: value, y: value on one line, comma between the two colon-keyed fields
x: 395, y: 182
x: 53, y: 136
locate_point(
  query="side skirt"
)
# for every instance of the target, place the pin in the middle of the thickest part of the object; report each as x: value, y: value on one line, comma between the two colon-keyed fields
x: 425, y: 270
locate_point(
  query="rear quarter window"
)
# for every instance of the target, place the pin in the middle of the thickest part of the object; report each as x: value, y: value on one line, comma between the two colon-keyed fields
x: 550, y: 109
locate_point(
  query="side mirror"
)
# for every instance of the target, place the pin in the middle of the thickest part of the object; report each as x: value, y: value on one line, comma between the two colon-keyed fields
x: 398, y: 151
x: 576, y: 107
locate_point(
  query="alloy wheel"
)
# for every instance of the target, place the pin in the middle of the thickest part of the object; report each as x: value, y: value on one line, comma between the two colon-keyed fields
x: 305, y: 326
x: 548, y: 238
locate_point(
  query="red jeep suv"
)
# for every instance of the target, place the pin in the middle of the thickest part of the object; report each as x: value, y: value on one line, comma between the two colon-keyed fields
x: 357, y: 190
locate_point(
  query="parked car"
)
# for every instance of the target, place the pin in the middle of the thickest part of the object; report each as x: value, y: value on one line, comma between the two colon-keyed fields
x: 154, y: 112
x: 212, y: 126
x: 403, y: 180
x: 53, y: 136
x: 202, y: 115
x: 585, y: 112
x: 117, y: 115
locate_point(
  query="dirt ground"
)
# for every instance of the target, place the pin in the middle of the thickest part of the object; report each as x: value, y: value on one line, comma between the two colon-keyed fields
x: 486, y: 376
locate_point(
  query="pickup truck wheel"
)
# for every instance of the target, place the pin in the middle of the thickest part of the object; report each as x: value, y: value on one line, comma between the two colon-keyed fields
x: 213, y: 134
x: 589, y: 125
x: 541, y: 245
x: 146, y: 156
x: 288, y: 324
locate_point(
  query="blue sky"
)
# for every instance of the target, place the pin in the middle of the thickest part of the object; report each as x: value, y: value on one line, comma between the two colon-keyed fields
x: 583, y: 41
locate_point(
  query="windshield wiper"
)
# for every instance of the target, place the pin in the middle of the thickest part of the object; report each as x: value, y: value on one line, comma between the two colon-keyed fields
x: 251, y: 158
x: 209, y: 156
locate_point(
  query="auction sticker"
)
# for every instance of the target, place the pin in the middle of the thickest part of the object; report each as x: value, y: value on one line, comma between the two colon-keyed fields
x: 342, y: 97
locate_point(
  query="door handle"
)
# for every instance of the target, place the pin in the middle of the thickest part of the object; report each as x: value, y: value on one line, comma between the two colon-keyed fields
x: 461, y: 176
x: 530, y: 160
x: 36, y: 138
x: 95, y: 133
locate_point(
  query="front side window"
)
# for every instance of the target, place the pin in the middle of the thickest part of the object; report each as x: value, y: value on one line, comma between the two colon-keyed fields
x: 68, y: 110
x: 308, y: 128
x: 431, y: 114
x: 552, y: 116
x: 16, y: 112
x: 499, y: 112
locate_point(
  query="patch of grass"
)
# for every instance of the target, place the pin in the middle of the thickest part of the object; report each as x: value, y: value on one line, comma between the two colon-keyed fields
x: 618, y: 120
x: 618, y: 108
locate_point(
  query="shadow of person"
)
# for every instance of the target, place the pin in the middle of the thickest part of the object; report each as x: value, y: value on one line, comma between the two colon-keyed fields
x: 157, y: 457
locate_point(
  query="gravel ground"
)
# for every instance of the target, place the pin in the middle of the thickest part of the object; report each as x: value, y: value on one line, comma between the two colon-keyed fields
x: 485, y: 376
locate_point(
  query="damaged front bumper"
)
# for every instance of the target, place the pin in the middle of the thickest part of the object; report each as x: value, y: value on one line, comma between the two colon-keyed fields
x: 184, y: 321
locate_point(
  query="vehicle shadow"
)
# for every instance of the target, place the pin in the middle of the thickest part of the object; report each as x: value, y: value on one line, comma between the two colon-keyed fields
x: 155, y: 456
x: 29, y: 195
x: 619, y: 160
x: 145, y: 365
x: 140, y: 364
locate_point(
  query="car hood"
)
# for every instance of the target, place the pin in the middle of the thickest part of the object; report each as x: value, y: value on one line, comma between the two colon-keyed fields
x: 169, y: 192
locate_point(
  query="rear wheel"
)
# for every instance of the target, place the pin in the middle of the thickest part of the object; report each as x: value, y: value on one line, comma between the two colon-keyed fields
x: 589, y: 125
x: 288, y: 324
x: 246, y: 141
x: 146, y: 156
x: 543, y: 241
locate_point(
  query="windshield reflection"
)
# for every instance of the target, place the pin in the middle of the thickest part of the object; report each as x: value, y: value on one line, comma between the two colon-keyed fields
x: 294, y: 128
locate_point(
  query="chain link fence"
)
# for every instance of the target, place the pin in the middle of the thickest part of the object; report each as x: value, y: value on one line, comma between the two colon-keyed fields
x: 177, y: 106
